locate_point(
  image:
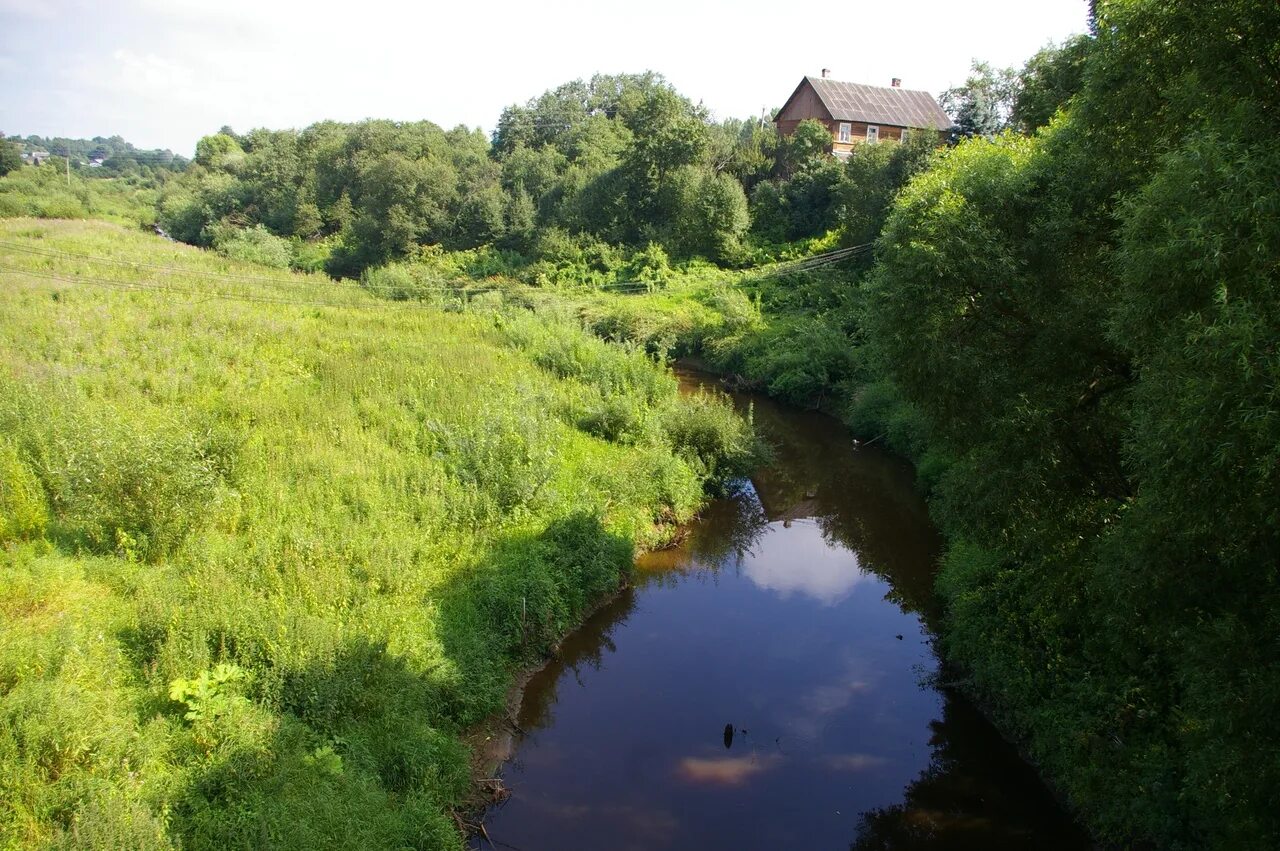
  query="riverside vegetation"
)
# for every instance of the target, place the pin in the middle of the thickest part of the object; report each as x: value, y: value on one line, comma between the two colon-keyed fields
x: 1069, y: 319
x: 1076, y: 334
x: 267, y: 555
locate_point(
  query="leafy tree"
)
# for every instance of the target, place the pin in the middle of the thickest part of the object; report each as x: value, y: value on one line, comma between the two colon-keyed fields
x: 273, y: 168
x: 219, y: 151
x: 770, y: 215
x: 982, y: 105
x: 804, y: 205
x: 520, y: 218
x: 1086, y: 322
x: 809, y: 144
x: 1047, y: 82
x: 10, y: 156
x: 874, y: 174
x: 482, y: 217
x: 667, y: 133
x: 747, y: 150
x: 712, y: 216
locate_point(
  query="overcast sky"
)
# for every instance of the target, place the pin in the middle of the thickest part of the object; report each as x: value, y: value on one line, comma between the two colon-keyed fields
x: 163, y: 73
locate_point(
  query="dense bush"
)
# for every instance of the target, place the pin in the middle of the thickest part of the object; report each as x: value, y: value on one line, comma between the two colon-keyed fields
x: 704, y: 430
x: 1087, y: 322
x: 133, y: 485
x: 253, y: 245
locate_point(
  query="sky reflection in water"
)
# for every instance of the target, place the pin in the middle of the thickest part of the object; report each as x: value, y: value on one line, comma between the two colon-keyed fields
x: 794, y: 613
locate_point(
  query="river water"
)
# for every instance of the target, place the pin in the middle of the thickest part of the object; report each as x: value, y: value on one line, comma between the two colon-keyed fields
x: 770, y: 683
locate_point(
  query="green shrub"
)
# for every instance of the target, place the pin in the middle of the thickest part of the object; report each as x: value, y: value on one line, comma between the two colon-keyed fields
x: 23, y: 513
x: 507, y: 457
x: 311, y: 255
x: 650, y: 265
x: 539, y: 586
x: 612, y: 417
x: 60, y: 205
x: 13, y: 206
x: 114, y: 483
x: 106, y: 818
x: 211, y: 694
x: 566, y: 350
x: 412, y: 282
x: 704, y: 430
x: 253, y: 245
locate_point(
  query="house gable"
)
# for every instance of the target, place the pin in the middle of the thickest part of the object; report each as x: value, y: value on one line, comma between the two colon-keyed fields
x: 803, y: 103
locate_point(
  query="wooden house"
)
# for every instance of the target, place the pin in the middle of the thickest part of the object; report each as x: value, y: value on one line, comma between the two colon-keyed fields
x: 857, y: 113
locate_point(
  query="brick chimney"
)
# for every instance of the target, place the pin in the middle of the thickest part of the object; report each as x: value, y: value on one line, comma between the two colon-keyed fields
x: 826, y: 72
x: 897, y: 82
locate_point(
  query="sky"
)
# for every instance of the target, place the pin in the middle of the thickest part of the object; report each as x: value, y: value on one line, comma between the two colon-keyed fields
x: 163, y: 73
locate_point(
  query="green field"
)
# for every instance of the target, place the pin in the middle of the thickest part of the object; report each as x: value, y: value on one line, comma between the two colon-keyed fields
x: 270, y: 545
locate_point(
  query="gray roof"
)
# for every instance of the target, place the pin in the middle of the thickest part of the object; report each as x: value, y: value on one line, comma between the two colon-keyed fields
x: 879, y: 104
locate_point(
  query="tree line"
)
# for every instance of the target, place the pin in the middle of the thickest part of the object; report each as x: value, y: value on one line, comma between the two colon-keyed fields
x: 114, y: 155
x: 593, y: 169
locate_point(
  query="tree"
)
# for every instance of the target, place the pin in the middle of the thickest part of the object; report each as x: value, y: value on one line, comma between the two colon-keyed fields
x: 667, y: 132
x: 712, y: 216
x: 744, y: 149
x: 981, y: 106
x: 1086, y: 322
x: 1047, y: 82
x: 219, y: 151
x: 873, y: 176
x: 808, y: 144
x: 10, y: 156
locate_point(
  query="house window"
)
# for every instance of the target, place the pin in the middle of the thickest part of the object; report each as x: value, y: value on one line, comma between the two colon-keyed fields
x: 905, y: 132
x: 844, y: 132
x: 873, y: 133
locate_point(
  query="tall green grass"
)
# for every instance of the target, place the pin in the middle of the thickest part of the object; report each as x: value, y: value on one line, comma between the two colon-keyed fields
x: 44, y: 192
x: 270, y: 544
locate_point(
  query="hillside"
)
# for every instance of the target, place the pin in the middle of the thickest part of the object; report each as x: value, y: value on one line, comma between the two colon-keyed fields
x: 270, y: 544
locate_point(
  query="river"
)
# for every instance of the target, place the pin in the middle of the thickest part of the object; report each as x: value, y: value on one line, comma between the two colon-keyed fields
x: 771, y: 683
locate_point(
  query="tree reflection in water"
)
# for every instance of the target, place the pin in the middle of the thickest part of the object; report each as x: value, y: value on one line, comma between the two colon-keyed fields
x: 967, y: 797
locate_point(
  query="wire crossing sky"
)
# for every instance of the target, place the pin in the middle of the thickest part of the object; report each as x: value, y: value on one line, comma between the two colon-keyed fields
x: 163, y: 73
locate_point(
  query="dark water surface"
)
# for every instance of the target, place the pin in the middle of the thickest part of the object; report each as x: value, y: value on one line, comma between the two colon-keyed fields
x: 768, y: 684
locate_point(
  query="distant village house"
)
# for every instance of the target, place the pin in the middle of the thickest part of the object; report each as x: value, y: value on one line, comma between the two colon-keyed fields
x: 857, y: 113
x: 35, y: 157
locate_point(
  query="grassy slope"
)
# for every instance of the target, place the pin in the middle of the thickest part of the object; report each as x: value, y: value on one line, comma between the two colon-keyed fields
x: 43, y: 191
x: 371, y: 511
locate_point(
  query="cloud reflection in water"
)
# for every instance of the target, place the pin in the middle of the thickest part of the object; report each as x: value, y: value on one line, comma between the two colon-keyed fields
x: 798, y: 559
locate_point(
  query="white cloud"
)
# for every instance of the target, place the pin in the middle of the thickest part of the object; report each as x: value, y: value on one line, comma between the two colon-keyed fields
x: 146, y: 75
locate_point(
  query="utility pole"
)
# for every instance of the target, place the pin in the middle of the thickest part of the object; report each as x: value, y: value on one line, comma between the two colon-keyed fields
x: 66, y: 150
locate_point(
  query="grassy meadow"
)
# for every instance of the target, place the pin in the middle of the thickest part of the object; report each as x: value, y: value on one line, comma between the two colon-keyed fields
x: 270, y: 544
